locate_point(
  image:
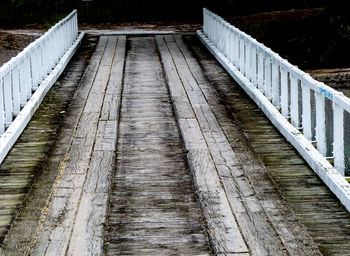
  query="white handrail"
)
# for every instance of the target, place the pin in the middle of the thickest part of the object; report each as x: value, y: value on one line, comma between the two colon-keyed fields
x: 21, y: 77
x: 306, y: 111
x: 282, y: 86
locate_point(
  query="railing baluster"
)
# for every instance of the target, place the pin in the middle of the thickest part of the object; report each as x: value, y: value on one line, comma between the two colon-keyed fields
x: 232, y: 46
x: 35, y: 68
x: 228, y: 38
x: 22, y: 82
x: 2, y: 107
x: 247, y: 58
x: 205, y: 17
x: 275, y: 83
x: 267, y: 78
x: 306, y: 117
x: 42, y: 70
x: 284, y: 91
x: 8, y: 96
x: 338, y: 144
x: 15, y: 88
x: 237, y: 49
x: 321, y: 124
x: 294, y: 108
x: 253, y: 56
x: 28, y: 75
x: 261, y: 70
x: 241, y: 54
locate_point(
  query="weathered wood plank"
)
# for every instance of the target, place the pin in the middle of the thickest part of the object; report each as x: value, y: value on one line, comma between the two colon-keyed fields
x: 87, y: 80
x: 110, y: 109
x: 153, y: 210
x: 60, y: 218
x: 221, y: 224
x: 224, y: 232
x: 87, y: 234
x: 106, y: 135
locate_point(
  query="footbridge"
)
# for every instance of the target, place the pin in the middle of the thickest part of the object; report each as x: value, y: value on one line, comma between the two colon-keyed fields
x: 169, y: 144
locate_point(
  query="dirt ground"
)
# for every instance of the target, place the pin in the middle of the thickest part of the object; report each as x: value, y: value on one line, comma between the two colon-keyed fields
x: 149, y: 26
x: 13, y: 43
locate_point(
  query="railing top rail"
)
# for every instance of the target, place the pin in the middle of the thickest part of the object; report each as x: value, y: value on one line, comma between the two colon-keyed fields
x: 6, y: 67
x: 310, y: 114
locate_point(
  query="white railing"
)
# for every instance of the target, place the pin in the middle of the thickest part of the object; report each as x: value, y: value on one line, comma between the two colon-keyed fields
x: 35, y: 66
x: 321, y: 113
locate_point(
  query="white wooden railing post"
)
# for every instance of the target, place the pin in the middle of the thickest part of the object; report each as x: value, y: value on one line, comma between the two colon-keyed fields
x: 247, y: 58
x: 41, y: 62
x: 338, y: 143
x: 253, y: 57
x: 227, y: 39
x: 261, y: 70
x: 205, y: 21
x: 28, y: 80
x: 275, y: 83
x: 284, y: 91
x: 211, y: 27
x: 267, y: 83
x: 241, y: 54
x: 231, y: 54
x: 306, y: 117
x: 2, y: 112
x: 294, y: 91
x: 35, y: 67
x: 15, y: 87
x: 22, y: 79
x: 8, y: 95
x: 321, y: 124
x: 237, y: 49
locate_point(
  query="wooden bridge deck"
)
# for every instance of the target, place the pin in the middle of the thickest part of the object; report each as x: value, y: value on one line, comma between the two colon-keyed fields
x: 160, y: 152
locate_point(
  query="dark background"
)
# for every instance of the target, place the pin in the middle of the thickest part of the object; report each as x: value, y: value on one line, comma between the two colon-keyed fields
x: 18, y: 12
x: 309, y: 33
